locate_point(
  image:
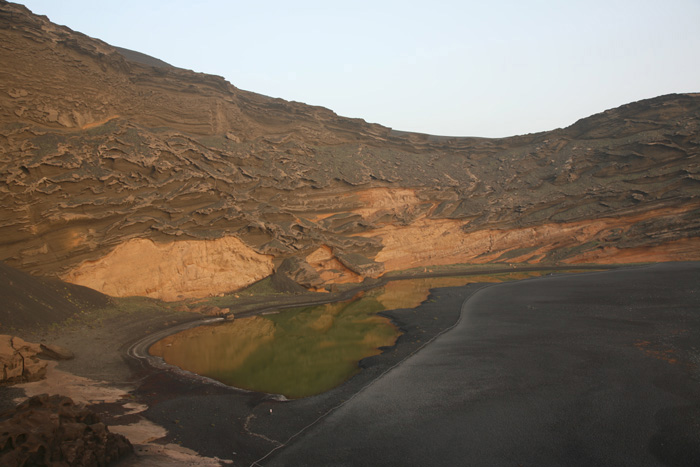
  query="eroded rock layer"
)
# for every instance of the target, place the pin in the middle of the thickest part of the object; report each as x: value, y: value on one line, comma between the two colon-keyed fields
x: 112, y: 164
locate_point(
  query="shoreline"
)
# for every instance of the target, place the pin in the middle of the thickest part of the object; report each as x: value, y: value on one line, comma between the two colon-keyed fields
x: 163, y: 392
x: 544, y: 371
x: 261, y: 422
x: 138, y: 350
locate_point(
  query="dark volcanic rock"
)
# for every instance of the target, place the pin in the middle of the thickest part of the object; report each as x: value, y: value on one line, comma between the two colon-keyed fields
x: 53, y: 431
x: 55, y: 352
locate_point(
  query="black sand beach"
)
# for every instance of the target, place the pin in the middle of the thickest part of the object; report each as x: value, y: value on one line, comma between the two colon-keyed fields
x: 595, y: 368
x: 589, y: 369
x: 218, y: 421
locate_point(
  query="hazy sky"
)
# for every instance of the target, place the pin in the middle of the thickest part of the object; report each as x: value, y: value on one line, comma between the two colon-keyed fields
x: 462, y: 68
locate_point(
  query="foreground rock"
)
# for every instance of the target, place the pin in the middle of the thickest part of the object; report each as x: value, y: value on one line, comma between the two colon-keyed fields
x: 19, y: 361
x: 53, y: 430
x: 55, y: 352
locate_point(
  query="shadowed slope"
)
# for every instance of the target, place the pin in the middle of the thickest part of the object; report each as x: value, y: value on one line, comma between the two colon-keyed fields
x: 30, y: 302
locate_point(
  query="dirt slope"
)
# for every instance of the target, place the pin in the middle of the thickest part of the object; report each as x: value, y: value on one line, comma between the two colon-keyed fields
x: 29, y: 302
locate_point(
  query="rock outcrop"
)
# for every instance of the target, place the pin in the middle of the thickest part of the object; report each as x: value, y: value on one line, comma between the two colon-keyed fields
x: 55, y: 352
x: 22, y: 361
x: 173, y: 270
x: 19, y: 360
x: 53, y: 431
x: 113, y: 163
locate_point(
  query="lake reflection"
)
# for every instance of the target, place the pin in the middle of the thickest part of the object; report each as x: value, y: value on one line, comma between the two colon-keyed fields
x: 302, y: 351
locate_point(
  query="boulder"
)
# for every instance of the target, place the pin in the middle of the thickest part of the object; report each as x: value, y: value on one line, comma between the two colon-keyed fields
x: 24, y: 347
x: 34, y: 369
x: 19, y: 360
x: 55, y: 352
x: 10, y: 359
x: 300, y: 272
x: 360, y: 264
x: 54, y: 431
x: 214, y: 311
x: 210, y: 310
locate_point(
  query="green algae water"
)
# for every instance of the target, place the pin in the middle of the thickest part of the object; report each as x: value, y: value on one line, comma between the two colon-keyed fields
x: 302, y: 351
x: 297, y: 353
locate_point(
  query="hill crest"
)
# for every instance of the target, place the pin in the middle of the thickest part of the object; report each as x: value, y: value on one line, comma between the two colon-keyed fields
x: 109, y: 166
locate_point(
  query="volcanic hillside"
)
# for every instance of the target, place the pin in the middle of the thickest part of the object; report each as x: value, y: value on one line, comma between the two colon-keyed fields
x: 32, y: 302
x: 127, y: 175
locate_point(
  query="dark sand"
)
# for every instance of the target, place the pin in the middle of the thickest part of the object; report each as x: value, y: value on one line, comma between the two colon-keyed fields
x: 218, y: 421
x: 595, y: 368
x: 589, y: 369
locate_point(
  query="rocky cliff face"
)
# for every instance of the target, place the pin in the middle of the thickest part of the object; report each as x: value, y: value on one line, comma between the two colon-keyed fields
x: 130, y: 176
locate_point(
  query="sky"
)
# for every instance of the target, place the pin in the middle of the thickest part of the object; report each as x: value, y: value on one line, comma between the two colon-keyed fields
x: 486, y: 68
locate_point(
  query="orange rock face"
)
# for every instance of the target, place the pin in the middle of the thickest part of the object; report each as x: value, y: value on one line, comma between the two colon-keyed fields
x: 681, y: 250
x: 442, y: 242
x: 173, y: 271
x: 387, y: 203
x: 330, y: 269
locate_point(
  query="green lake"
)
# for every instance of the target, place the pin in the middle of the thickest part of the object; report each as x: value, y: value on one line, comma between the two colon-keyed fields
x: 303, y: 351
